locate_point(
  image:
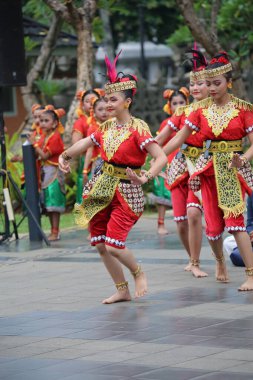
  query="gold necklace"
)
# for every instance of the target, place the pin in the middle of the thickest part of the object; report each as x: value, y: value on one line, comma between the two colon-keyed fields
x: 115, y: 135
x: 219, y: 117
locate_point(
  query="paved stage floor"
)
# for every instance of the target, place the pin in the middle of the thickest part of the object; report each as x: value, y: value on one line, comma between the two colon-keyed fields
x: 53, y: 325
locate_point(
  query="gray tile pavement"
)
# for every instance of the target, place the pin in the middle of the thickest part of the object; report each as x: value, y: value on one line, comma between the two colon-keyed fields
x: 53, y: 325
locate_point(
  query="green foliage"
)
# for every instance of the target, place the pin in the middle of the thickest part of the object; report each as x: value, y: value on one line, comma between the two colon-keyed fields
x: 180, y: 37
x: 160, y: 19
x: 30, y: 44
x: 49, y: 88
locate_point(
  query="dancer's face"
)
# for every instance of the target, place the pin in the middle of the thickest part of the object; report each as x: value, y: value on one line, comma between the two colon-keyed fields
x: 177, y: 101
x: 198, y: 89
x: 47, y: 123
x: 217, y: 87
x: 87, y: 102
x: 116, y: 104
x: 36, y: 116
x: 101, y: 111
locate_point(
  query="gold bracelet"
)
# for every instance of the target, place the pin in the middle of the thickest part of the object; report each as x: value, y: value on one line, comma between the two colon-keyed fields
x: 148, y: 175
x: 65, y: 156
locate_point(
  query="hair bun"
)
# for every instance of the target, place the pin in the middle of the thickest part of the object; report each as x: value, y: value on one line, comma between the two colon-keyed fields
x: 168, y: 93
x: 35, y: 107
x: 221, y: 57
x: 185, y: 92
x: 60, y: 112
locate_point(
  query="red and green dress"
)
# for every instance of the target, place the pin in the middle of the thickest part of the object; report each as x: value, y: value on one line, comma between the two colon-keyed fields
x: 52, y: 183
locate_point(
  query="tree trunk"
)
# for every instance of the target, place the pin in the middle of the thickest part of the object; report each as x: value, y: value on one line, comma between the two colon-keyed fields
x: 47, y: 47
x: 81, y: 19
x: 209, y: 40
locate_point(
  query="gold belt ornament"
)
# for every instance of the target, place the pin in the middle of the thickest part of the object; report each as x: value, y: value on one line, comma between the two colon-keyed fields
x: 224, y: 146
x: 192, y: 151
x: 116, y: 171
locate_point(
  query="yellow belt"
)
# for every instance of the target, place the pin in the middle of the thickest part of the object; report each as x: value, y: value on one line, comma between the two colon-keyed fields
x: 116, y: 171
x: 192, y: 151
x: 224, y: 146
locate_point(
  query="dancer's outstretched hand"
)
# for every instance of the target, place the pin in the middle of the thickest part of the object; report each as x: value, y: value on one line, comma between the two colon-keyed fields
x: 64, y: 165
x: 237, y: 161
x: 136, y: 179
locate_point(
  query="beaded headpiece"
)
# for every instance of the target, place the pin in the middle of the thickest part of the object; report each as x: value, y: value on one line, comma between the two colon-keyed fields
x: 199, y: 63
x: 221, y: 65
x: 117, y: 83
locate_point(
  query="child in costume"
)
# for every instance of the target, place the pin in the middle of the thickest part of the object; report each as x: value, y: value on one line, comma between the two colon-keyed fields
x: 113, y: 200
x: 161, y: 194
x: 80, y: 129
x: 49, y: 148
x: 99, y: 115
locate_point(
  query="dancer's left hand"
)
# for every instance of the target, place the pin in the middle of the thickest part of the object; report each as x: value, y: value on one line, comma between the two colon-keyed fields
x: 134, y: 178
x: 236, y: 162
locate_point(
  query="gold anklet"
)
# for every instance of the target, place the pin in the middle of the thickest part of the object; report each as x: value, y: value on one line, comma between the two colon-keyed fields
x: 138, y: 272
x: 194, y: 262
x: 249, y: 271
x: 122, y: 285
x: 219, y: 259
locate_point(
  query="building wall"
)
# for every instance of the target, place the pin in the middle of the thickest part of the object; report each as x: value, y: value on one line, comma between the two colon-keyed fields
x: 14, y: 119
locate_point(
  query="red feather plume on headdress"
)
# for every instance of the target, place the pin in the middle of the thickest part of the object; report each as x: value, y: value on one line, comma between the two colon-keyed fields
x: 111, y: 68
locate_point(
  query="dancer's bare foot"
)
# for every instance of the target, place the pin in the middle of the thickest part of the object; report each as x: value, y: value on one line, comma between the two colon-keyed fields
x: 247, y: 285
x: 188, y: 267
x: 88, y: 237
x: 221, y: 272
x: 119, y: 296
x: 197, y: 272
x: 141, y: 285
x: 162, y: 230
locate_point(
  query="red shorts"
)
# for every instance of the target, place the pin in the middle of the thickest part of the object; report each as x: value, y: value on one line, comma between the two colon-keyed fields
x: 215, y: 222
x: 183, y: 197
x: 112, y: 224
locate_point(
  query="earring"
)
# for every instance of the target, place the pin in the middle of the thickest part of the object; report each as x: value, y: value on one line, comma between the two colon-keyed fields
x: 230, y: 85
x: 126, y: 106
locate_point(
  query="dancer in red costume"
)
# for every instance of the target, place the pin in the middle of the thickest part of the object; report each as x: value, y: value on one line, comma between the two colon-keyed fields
x: 223, y: 172
x: 187, y: 206
x: 161, y: 194
x: 113, y: 200
x: 99, y: 116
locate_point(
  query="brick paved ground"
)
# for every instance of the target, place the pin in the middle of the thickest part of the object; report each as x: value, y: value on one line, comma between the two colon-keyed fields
x: 53, y: 326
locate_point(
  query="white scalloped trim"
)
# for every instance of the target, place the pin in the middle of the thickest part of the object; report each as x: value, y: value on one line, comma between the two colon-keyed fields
x: 213, y: 237
x: 94, y: 140
x: 172, y: 126
x: 116, y: 242
x: 249, y: 129
x: 98, y: 238
x: 192, y: 126
x: 178, y: 218
x: 236, y: 228
x: 147, y: 141
x: 192, y: 204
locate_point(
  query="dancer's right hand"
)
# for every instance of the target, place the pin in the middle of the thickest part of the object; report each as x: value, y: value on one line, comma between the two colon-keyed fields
x: 64, y: 165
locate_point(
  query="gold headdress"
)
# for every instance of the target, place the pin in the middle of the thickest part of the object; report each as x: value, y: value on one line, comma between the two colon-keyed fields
x: 221, y: 65
x: 117, y: 83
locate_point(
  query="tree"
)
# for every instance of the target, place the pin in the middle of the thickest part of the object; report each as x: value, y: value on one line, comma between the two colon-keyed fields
x: 207, y: 22
x: 80, y: 18
x: 37, y: 69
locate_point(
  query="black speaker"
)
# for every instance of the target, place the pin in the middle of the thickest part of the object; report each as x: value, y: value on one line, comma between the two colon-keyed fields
x: 12, y: 51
